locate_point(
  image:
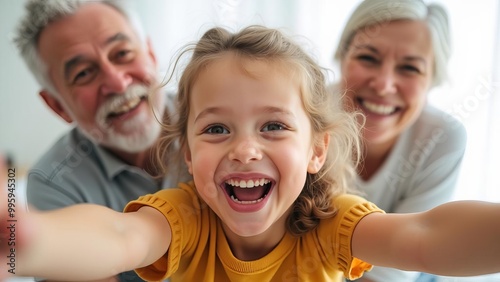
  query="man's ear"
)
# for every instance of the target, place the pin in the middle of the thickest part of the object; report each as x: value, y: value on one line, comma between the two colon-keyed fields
x: 187, y: 159
x: 55, y: 105
x: 320, y: 151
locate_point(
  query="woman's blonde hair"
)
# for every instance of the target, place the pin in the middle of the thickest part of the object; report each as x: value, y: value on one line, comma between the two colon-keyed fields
x: 325, y: 114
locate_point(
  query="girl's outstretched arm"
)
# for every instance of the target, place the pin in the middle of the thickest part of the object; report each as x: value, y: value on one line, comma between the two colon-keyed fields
x: 454, y: 239
x: 87, y: 242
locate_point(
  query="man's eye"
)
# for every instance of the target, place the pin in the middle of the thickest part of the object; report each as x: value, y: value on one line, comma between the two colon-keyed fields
x: 273, y: 126
x: 84, y: 76
x: 123, y: 53
x: 217, y: 129
x: 124, y: 56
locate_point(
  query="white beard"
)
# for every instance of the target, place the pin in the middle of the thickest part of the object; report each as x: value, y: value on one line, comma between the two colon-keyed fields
x: 135, y: 134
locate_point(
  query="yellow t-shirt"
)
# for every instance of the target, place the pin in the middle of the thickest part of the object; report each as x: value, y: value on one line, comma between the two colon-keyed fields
x: 200, y: 252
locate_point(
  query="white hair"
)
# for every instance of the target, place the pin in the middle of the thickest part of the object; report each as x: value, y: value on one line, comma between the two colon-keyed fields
x: 372, y: 14
x: 40, y: 13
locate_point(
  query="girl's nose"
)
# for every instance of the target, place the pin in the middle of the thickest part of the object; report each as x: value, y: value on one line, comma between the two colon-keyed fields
x: 245, y: 151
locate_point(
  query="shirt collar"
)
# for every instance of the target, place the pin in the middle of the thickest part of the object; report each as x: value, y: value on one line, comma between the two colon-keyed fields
x: 111, y: 164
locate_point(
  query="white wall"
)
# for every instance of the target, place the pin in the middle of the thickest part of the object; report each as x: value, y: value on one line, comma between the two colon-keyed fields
x: 28, y: 127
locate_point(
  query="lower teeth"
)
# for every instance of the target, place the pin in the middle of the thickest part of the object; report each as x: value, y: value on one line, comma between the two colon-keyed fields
x: 246, y: 202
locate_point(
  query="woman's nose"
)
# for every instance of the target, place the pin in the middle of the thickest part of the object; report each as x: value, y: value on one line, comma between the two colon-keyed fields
x: 384, y: 81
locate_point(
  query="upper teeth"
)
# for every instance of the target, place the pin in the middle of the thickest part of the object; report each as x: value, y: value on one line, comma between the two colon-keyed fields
x: 247, y: 183
x: 379, y: 109
x: 128, y: 105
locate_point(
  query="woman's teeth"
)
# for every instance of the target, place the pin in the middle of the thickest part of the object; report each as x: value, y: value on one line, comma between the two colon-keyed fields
x: 378, y: 109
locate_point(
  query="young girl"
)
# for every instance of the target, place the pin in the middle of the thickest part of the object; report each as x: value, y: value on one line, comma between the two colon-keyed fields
x: 271, y: 156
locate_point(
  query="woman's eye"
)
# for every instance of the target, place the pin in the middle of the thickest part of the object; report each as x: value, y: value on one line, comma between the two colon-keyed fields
x: 410, y: 68
x: 367, y: 58
x: 273, y: 126
x: 216, y: 129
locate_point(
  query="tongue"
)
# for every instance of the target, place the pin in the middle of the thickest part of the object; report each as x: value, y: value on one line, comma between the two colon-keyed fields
x: 249, y: 194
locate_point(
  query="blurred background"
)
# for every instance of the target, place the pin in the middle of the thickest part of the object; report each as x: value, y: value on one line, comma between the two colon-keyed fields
x: 28, y: 127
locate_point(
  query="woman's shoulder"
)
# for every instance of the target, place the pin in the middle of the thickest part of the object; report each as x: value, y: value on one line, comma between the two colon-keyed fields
x: 435, y: 117
x: 438, y: 124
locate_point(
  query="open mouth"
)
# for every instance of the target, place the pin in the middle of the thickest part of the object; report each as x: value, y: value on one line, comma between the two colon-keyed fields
x: 378, y: 109
x: 128, y: 106
x: 248, y: 191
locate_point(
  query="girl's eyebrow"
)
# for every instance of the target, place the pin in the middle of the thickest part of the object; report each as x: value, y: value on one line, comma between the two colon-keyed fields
x: 266, y: 109
x: 206, y: 112
x: 277, y: 110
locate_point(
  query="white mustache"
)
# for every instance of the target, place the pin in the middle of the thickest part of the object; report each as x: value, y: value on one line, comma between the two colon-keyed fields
x: 115, y: 102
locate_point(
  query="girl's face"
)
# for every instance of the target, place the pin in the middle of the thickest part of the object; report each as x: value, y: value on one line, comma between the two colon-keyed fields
x: 387, y: 72
x: 250, y: 143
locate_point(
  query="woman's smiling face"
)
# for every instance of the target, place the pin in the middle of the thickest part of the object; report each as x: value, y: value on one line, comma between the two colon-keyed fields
x: 387, y: 74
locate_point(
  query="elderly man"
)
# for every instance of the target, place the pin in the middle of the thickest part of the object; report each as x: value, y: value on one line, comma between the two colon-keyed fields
x: 97, y: 71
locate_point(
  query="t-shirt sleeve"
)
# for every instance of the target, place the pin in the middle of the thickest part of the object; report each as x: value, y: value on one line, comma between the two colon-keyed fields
x: 177, y: 207
x: 44, y: 194
x: 351, y: 209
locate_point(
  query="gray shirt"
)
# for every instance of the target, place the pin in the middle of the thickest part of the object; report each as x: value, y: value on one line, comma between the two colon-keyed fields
x: 75, y: 170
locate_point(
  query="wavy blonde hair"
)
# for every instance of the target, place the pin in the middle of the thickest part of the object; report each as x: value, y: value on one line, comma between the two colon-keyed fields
x: 325, y: 114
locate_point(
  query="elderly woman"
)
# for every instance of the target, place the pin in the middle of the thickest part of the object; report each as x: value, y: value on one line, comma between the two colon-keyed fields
x: 391, y: 53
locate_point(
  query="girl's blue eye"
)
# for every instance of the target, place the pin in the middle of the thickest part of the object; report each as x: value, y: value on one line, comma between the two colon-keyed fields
x: 273, y: 126
x: 216, y: 129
